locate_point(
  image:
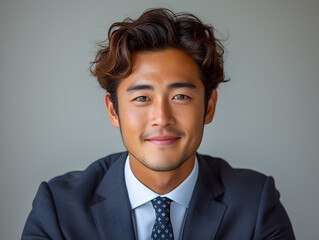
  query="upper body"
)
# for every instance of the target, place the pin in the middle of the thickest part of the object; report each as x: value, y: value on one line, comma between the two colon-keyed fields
x: 227, y: 203
x: 160, y: 73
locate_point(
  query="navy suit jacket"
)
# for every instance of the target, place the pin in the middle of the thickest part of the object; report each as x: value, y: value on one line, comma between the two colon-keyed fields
x: 227, y: 204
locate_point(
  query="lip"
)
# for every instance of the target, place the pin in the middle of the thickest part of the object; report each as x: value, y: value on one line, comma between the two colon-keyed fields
x: 163, y: 140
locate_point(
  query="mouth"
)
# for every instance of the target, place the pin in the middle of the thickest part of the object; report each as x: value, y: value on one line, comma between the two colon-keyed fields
x: 163, y: 140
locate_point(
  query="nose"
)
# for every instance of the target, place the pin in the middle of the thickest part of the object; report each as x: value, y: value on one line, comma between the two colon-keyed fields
x: 162, y: 114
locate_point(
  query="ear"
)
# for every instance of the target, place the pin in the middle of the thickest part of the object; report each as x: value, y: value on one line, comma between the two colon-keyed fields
x: 211, y: 107
x: 114, y: 119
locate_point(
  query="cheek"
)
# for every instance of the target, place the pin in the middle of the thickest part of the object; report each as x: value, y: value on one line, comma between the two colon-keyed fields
x: 132, y: 119
x: 191, y: 117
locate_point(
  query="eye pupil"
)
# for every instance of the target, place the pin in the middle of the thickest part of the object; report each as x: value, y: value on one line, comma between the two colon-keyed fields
x: 179, y: 96
x: 142, y: 99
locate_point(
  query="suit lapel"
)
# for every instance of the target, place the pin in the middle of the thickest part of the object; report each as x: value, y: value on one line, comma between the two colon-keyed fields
x: 112, y: 214
x: 205, y: 213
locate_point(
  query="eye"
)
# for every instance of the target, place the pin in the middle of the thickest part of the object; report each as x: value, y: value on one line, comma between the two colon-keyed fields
x: 180, y: 97
x: 142, y: 99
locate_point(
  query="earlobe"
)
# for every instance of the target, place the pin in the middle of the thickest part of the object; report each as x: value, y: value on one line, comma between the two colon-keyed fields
x: 114, y: 119
x: 211, y: 105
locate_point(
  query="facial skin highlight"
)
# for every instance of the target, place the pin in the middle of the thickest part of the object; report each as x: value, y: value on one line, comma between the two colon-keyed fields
x: 161, y: 115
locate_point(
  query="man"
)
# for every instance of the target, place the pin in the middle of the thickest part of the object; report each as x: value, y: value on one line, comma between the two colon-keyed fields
x: 160, y: 72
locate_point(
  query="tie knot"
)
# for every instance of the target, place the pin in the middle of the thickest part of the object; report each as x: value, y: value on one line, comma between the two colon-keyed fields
x: 162, y: 208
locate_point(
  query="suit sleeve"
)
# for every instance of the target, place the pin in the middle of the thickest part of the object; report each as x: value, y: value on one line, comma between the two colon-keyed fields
x: 42, y: 222
x: 272, y: 220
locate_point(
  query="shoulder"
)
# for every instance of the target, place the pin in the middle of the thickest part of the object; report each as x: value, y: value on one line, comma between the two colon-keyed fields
x: 94, y: 171
x: 224, y: 170
x: 235, y: 181
x: 251, y: 199
x: 77, y: 185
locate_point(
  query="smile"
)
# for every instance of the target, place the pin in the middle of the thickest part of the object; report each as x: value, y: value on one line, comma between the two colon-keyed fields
x: 163, y: 140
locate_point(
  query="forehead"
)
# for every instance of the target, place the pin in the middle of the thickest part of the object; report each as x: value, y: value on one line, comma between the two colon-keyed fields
x: 162, y: 68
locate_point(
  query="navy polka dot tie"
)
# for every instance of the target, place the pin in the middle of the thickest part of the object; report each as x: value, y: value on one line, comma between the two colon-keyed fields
x: 162, y: 228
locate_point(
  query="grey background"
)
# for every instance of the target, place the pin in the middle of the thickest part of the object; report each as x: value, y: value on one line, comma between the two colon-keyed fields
x: 53, y: 118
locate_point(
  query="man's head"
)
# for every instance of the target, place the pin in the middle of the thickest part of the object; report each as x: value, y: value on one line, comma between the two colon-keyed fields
x: 156, y: 30
x: 161, y: 72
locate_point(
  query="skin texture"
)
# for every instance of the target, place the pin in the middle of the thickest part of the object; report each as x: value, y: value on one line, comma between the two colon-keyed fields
x: 161, y: 117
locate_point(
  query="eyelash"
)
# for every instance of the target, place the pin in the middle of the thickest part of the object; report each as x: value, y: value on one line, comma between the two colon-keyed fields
x: 144, y: 97
x: 176, y: 97
x: 184, y: 97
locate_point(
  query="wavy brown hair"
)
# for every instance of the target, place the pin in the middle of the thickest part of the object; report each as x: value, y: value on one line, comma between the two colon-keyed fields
x: 156, y: 30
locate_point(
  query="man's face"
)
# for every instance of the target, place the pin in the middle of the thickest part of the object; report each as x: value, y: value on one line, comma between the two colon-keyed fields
x: 161, y: 109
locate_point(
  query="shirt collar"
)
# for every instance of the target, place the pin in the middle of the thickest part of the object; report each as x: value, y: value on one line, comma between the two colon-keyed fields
x: 139, y: 194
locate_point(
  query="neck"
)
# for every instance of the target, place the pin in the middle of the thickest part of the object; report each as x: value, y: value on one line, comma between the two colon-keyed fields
x: 158, y: 181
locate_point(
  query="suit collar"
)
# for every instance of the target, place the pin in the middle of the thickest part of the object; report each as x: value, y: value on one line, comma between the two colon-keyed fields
x: 112, y: 214
x: 205, y: 213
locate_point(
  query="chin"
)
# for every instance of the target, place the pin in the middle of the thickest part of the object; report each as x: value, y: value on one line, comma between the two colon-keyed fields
x: 163, y: 167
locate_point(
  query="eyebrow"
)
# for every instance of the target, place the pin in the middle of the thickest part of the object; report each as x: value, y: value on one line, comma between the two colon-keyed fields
x: 140, y: 87
x: 170, y: 86
x: 181, y: 85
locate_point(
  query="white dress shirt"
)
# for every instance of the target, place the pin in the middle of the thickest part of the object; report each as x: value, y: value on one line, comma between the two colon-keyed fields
x: 143, y: 212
